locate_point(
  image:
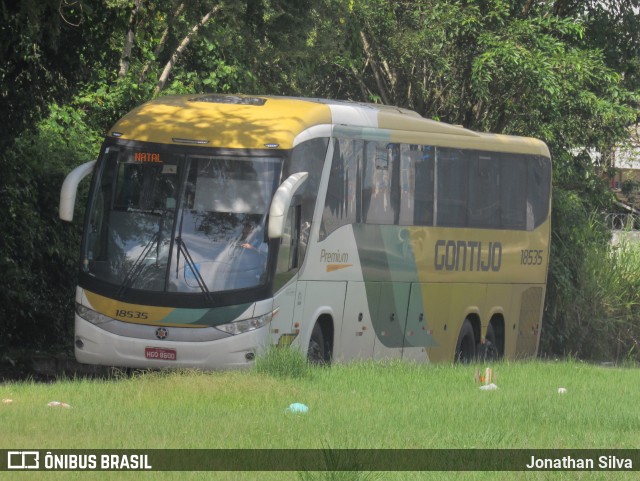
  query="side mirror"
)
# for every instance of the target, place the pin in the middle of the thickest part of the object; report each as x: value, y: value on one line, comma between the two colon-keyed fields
x: 281, y: 202
x: 70, y: 188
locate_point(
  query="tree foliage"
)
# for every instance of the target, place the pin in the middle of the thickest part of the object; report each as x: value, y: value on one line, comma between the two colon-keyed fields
x: 39, y: 256
x: 567, y: 72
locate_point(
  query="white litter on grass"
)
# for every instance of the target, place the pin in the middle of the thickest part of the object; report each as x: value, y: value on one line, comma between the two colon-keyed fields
x: 489, y: 387
x: 297, y: 408
x: 7, y: 401
x: 562, y: 390
x: 58, y: 404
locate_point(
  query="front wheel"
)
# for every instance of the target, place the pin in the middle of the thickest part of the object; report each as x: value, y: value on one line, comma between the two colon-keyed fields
x: 466, y: 345
x: 317, y: 353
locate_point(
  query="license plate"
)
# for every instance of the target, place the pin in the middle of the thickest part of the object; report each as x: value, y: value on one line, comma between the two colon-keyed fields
x: 160, y: 353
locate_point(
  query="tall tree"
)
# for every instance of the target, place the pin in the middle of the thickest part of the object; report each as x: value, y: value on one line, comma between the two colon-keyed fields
x: 162, y: 80
x: 32, y: 66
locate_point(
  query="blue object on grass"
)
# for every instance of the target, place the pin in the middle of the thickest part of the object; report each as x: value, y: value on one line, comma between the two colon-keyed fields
x: 297, y: 408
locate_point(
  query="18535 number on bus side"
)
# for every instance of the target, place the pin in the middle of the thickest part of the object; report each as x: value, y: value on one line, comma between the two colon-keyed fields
x: 531, y: 257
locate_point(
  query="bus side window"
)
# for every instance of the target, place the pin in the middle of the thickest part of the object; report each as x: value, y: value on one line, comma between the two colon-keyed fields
x: 484, y: 190
x: 343, y: 192
x: 452, y: 180
x: 417, y: 189
x: 538, y: 180
x: 513, y: 192
x: 308, y: 156
x: 381, y: 183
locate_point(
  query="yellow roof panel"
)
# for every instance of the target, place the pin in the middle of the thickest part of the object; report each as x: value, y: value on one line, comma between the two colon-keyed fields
x: 269, y: 121
x: 240, y: 121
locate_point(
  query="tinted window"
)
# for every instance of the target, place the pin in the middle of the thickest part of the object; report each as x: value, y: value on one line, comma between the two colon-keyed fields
x: 538, y: 180
x: 343, y: 195
x: 452, y: 178
x: 402, y: 184
x: 513, y: 191
x: 484, y: 190
x: 307, y: 157
x: 416, y: 185
x: 380, y: 183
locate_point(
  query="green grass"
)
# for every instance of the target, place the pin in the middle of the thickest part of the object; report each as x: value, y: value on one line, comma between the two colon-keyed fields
x: 368, y: 405
x: 283, y: 363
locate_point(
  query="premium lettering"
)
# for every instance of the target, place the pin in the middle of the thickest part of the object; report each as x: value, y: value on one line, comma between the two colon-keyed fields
x: 334, y: 257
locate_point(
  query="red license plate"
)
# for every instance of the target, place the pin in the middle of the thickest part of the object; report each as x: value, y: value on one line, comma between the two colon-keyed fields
x: 160, y: 353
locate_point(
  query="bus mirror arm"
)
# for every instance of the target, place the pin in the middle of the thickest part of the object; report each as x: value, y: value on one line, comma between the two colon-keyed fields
x: 70, y: 188
x: 281, y: 202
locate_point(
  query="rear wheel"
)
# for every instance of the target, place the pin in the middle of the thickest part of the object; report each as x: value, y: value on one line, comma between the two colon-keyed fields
x: 466, y: 345
x: 489, y: 350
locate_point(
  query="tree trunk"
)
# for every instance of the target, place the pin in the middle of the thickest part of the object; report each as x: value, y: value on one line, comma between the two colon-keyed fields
x: 183, y: 45
x: 524, y: 13
x: 363, y: 87
x: 125, y: 59
x: 376, y: 70
x: 163, y: 41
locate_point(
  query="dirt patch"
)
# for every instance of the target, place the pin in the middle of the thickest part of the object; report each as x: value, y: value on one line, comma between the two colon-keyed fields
x: 48, y: 368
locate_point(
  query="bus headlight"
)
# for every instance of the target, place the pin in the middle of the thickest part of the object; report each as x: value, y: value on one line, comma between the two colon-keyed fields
x: 91, y: 316
x: 246, y: 325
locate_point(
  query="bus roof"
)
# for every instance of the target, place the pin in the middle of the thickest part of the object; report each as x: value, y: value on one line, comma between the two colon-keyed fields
x: 241, y: 121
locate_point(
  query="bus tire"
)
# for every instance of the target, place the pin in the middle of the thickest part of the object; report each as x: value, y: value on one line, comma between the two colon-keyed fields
x: 466, y: 345
x: 317, y: 351
x: 489, y: 350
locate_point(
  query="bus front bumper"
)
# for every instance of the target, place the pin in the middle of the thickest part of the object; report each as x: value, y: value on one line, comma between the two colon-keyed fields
x: 94, y: 345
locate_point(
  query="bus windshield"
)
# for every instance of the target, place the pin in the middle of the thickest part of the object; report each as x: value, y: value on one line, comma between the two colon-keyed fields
x: 179, y: 221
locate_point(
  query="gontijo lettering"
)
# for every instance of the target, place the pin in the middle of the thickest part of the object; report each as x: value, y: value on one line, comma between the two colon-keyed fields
x: 460, y: 255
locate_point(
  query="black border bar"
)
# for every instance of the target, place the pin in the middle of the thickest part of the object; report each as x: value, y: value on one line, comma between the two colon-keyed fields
x: 327, y: 459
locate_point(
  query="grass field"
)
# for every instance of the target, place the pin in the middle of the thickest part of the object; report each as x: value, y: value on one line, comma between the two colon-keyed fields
x: 364, y: 405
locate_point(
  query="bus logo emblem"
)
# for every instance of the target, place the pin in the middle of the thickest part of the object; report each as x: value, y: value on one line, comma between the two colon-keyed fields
x: 162, y: 333
x: 23, y: 460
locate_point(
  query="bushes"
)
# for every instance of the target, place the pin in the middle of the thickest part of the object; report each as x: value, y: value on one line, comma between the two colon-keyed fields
x: 38, y: 252
x: 593, y: 296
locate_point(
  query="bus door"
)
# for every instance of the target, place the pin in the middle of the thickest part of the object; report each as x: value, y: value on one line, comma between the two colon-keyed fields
x: 285, y: 282
x: 417, y: 333
x: 357, y: 333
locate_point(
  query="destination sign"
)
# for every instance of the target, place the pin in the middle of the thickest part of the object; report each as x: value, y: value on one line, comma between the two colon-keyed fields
x: 147, y: 157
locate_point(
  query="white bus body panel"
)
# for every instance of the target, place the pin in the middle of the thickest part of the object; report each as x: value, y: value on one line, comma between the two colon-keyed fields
x: 315, y: 300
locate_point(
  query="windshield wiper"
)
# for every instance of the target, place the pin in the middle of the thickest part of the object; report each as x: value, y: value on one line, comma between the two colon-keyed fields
x: 137, y: 266
x: 182, y: 248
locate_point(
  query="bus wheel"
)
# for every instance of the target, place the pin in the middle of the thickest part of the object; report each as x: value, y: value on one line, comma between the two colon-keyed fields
x: 317, y: 352
x: 466, y: 345
x: 489, y: 350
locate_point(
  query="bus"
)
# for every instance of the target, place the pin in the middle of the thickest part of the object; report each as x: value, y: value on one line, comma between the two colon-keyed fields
x: 220, y: 225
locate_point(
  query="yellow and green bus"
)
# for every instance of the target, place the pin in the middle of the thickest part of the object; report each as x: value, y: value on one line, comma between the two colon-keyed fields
x: 218, y: 225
